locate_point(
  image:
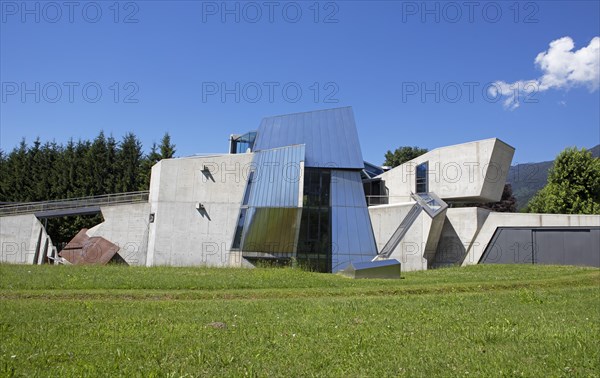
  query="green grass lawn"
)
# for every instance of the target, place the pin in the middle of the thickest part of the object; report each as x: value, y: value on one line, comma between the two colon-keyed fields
x: 486, y: 320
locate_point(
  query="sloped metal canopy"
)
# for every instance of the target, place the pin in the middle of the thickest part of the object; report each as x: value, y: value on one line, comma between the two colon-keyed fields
x: 330, y: 137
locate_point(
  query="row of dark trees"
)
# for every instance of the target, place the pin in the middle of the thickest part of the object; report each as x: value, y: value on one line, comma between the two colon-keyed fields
x: 41, y: 172
x: 48, y: 171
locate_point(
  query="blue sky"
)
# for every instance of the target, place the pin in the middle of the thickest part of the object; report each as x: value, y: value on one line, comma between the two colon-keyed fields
x: 203, y: 70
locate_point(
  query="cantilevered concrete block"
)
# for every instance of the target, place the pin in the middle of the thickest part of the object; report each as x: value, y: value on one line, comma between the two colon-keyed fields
x: 470, y: 172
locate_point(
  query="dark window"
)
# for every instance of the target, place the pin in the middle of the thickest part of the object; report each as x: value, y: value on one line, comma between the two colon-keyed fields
x: 248, y: 188
x: 422, y: 185
x: 375, y: 192
x: 237, y: 239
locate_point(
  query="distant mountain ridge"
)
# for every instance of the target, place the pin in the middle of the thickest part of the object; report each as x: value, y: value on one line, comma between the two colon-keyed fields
x: 527, y: 179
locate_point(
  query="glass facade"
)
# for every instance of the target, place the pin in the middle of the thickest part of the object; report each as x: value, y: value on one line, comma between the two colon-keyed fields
x: 241, y: 144
x: 314, y: 240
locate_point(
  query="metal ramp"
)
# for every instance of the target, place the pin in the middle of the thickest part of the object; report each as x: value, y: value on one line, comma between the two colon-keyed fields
x: 398, y: 235
x: 428, y: 202
x: 72, y: 206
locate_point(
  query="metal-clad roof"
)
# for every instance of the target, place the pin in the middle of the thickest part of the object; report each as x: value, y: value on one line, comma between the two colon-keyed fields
x: 330, y: 137
x: 276, y: 178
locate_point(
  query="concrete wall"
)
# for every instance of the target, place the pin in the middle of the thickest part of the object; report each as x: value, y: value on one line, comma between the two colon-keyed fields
x: 495, y: 220
x: 127, y: 227
x: 24, y: 240
x: 457, y: 237
x: 411, y: 250
x: 181, y: 235
x: 460, y: 228
x: 474, y: 172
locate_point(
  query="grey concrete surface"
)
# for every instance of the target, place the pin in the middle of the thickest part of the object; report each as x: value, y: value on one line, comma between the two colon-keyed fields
x: 474, y: 172
x: 24, y: 240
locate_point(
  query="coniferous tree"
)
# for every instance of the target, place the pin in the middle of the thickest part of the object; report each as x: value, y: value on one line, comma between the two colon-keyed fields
x: 3, y: 176
x: 148, y: 162
x: 111, y: 161
x: 167, y: 149
x: 97, y: 159
x: 129, y: 158
x: 50, y: 171
x: 82, y: 184
x: 66, y: 172
x: 18, y: 172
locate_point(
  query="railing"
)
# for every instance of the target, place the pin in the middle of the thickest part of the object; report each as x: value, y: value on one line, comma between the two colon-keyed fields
x: 377, y: 200
x: 385, y: 200
x: 74, y: 203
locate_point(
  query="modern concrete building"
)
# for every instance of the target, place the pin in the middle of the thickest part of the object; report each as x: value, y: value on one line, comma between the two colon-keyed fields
x: 297, y: 190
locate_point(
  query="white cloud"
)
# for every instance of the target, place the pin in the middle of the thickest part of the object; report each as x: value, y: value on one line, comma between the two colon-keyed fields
x: 562, y: 68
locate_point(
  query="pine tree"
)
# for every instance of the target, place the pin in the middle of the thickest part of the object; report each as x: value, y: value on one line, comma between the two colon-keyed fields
x: 49, y: 171
x: 111, y: 161
x: 82, y: 184
x: 128, y: 161
x: 97, y: 158
x: 146, y: 167
x: 167, y: 149
x: 3, y: 176
x: 18, y: 173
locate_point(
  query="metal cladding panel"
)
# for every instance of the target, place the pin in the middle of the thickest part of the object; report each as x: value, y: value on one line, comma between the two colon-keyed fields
x: 347, y: 189
x: 509, y: 246
x: 351, y: 230
x: 271, y: 230
x: 567, y: 247
x: 330, y: 137
x: 277, y: 175
x: 563, y: 246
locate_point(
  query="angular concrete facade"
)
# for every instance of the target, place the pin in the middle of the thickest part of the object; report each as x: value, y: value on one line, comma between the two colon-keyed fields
x: 293, y: 192
x: 194, y: 205
x: 472, y: 172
